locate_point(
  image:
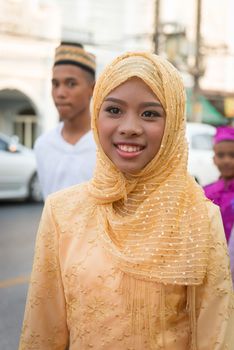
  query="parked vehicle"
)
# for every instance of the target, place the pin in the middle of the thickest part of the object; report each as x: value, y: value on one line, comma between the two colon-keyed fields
x: 18, y: 175
x: 200, y: 162
x: 19, y: 180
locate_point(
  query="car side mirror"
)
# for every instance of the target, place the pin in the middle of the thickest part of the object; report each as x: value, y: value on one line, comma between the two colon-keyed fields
x: 13, y: 146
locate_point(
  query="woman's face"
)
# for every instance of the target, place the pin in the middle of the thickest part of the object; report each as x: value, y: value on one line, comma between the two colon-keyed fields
x: 131, y: 125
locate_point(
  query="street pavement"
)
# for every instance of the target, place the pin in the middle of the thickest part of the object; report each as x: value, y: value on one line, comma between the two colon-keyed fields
x: 18, y: 227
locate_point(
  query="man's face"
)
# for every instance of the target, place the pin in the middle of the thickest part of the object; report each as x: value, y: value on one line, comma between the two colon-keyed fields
x: 224, y: 158
x: 72, y: 90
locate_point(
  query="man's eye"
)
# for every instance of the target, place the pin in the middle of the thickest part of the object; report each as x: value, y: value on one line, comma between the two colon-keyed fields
x: 71, y: 83
x: 220, y: 155
x: 113, y: 110
x: 55, y: 84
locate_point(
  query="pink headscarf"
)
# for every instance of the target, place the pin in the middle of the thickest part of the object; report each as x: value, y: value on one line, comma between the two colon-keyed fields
x: 224, y: 133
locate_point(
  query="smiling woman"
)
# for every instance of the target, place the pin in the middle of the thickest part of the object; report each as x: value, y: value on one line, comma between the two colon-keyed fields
x: 136, y: 257
x: 131, y: 130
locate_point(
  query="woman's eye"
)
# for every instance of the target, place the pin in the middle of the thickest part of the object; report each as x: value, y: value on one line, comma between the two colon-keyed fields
x: 113, y: 110
x: 151, y: 114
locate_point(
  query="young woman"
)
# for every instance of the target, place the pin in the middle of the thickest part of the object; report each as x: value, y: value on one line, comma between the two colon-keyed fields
x: 136, y: 258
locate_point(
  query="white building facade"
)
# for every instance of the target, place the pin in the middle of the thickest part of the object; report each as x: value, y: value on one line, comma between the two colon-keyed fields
x: 27, y: 42
x: 29, y: 32
x: 31, y: 29
x: 217, y: 37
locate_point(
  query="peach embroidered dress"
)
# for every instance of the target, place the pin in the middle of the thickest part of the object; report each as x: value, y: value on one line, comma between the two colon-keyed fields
x: 132, y: 262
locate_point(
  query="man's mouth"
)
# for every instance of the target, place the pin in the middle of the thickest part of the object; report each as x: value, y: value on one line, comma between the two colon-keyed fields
x: 62, y: 105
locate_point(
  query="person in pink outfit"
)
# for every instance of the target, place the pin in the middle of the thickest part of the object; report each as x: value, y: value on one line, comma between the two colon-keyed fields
x: 221, y: 192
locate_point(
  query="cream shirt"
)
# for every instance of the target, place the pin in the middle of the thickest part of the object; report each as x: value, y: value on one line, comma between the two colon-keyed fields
x: 60, y: 164
x: 75, y: 300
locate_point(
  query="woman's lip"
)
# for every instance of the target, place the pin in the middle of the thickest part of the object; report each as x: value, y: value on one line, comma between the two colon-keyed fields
x: 128, y: 155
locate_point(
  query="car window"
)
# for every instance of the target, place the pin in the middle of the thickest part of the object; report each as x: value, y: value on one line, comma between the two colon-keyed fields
x: 3, y: 145
x: 202, y: 141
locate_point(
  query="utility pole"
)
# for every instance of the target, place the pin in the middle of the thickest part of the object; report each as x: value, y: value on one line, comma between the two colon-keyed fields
x: 157, y: 26
x: 196, y: 107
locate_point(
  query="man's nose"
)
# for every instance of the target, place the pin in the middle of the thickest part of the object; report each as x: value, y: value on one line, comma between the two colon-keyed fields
x: 130, y: 125
x: 60, y: 91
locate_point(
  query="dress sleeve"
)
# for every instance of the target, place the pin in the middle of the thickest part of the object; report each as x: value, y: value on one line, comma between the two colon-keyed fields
x: 44, y: 326
x: 215, y: 307
x: 231, y: 253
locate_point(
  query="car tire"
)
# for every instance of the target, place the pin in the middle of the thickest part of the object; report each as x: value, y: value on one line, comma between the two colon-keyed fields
x: 35, y: 193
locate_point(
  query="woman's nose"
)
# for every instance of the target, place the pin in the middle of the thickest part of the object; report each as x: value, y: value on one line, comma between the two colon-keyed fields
x: 130, y: 125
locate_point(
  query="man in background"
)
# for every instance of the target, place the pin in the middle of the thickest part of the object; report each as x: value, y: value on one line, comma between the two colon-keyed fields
x: 66, y: 154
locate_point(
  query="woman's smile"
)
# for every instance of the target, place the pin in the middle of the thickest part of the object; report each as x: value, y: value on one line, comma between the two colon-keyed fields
x: 127, y: 150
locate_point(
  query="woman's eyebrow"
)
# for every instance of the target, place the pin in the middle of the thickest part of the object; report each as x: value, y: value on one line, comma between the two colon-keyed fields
x: 113, y: 99
x: 151, y: 104
x: 143, y: 104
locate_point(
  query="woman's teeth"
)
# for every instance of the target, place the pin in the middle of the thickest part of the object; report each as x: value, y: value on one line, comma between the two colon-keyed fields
x: 127, y: 148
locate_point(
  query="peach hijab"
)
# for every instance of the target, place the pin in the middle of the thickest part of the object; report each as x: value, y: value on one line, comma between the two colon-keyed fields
x: 154, y: 224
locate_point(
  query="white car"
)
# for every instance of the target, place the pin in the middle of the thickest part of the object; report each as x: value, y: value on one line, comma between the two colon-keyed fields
x: 18, y: 175
x: 200, y: 161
